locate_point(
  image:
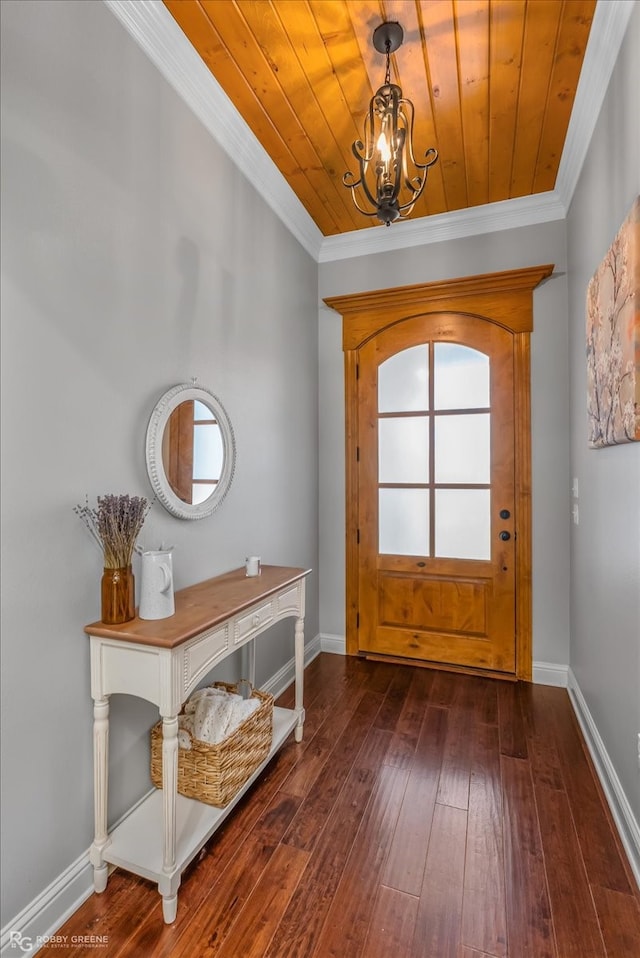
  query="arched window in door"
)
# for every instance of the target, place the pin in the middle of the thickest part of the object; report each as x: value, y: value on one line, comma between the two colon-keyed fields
x: 434, y: 452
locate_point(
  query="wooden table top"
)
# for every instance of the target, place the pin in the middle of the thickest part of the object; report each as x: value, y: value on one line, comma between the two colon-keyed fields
x: 202, y: 606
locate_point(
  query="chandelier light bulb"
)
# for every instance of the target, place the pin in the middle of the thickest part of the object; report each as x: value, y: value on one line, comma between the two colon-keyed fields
x: 383, y: 148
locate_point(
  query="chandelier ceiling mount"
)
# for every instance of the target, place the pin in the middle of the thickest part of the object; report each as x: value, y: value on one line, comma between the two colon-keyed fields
x: 388, y: 37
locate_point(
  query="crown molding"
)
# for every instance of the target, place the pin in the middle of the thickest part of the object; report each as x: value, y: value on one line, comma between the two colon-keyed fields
x: 153, y: 28
x: 610, y: 22
x: 490, y: 218
x: 155, y: 31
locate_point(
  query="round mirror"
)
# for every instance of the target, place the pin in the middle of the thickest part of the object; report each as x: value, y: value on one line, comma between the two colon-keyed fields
x: 190, y: 451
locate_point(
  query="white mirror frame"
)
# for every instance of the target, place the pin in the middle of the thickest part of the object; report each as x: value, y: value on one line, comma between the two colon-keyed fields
x: 163, y: 409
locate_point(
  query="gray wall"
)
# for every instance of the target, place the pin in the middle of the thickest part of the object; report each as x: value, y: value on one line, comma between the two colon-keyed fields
x: 605, y: 546
x: 134, y: 256
x: 512, y: 249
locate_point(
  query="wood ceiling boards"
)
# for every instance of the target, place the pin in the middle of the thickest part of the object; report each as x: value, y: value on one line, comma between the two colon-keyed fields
x: 492, y: 81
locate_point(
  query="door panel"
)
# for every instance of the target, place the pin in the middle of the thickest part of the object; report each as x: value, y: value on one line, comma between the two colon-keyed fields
x: 436, y: 580
x: 430, y: 603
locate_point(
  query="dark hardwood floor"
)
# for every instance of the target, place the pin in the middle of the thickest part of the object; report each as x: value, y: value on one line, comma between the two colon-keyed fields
x: 425, y: 815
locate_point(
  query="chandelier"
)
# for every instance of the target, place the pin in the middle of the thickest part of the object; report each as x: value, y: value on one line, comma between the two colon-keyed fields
x: 390, y: 180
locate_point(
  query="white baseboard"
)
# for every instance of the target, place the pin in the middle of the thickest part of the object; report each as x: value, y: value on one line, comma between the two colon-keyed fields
x: 32, y: 927
x: 336, y: 644
x: 36, y: 923
x: 626, y: 823
x: 28, y: 931
x: 548, y: 673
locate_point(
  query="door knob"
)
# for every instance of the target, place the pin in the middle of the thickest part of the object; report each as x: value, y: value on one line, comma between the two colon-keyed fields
x: 504, y: 514
x: 505, y: 536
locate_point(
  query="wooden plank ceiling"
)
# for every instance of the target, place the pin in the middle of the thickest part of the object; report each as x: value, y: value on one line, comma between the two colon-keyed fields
x: 492, y: 81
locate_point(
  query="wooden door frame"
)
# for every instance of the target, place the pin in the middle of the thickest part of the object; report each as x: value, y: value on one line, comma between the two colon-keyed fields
x: 502, y: 298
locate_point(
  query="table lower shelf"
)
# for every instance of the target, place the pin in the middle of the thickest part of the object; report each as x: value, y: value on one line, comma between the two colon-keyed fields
x: 136, y: 844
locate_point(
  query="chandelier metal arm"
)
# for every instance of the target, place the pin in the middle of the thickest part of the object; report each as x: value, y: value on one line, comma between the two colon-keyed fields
x: 362, y: 181
x: 365, y: 188
x: 359, y: 208
x: 408, y: 117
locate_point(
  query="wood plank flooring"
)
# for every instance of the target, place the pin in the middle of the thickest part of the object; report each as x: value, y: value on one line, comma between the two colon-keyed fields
x: 425, y: 815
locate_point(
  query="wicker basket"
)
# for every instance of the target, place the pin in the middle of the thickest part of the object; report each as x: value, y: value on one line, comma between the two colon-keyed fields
x: 214, y: 773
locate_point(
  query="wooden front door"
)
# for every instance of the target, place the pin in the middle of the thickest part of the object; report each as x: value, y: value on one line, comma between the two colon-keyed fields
x: 437, y: 493
x: 438, y: 472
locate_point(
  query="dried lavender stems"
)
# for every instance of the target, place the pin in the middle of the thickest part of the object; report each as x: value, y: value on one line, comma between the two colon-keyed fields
x: 115, y: 525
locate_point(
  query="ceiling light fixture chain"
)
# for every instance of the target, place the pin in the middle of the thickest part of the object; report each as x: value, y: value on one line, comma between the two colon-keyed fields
x: 388, y: 186
x: 387, y: 75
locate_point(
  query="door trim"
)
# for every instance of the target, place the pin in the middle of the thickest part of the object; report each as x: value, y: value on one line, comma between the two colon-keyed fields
x: 503, y: 298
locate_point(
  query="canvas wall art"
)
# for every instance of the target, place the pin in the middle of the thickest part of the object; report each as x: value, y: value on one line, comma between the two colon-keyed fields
x: 613, y: 340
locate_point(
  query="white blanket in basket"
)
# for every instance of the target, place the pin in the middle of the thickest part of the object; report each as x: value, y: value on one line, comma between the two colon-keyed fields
x: 212, y: 715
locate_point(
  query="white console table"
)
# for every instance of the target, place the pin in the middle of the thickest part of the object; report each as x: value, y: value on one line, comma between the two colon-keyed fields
x: 163, y: 661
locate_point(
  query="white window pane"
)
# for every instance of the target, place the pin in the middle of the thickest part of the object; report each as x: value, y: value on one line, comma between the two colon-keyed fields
x: 207, y: 452
x: 463, y: 448
x: 403, y: 521
x: 200, y: 411
x: 463, y: 523
x: 403, y: 381
x: 460, y: 377
x: 201, y: 491
x: 403, y: 449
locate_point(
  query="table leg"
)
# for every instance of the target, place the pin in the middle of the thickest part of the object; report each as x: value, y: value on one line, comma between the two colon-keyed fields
x: 169, y: 909
x: 299, y: 660
x: 251, y: 655
x: 248, y: 662
x: 169, y: 793
x: 100, y: 791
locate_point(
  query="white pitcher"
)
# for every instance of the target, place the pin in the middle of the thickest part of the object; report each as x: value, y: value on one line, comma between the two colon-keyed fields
x: 156, y: 589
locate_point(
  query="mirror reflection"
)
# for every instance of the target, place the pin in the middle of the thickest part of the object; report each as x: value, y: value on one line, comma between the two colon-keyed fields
x: 192, y: 451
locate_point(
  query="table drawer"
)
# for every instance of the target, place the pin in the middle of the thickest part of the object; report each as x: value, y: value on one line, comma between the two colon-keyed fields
x: 255, y: 620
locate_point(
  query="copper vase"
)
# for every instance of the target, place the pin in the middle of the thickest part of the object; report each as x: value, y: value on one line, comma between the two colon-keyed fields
x: 118, y: 596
